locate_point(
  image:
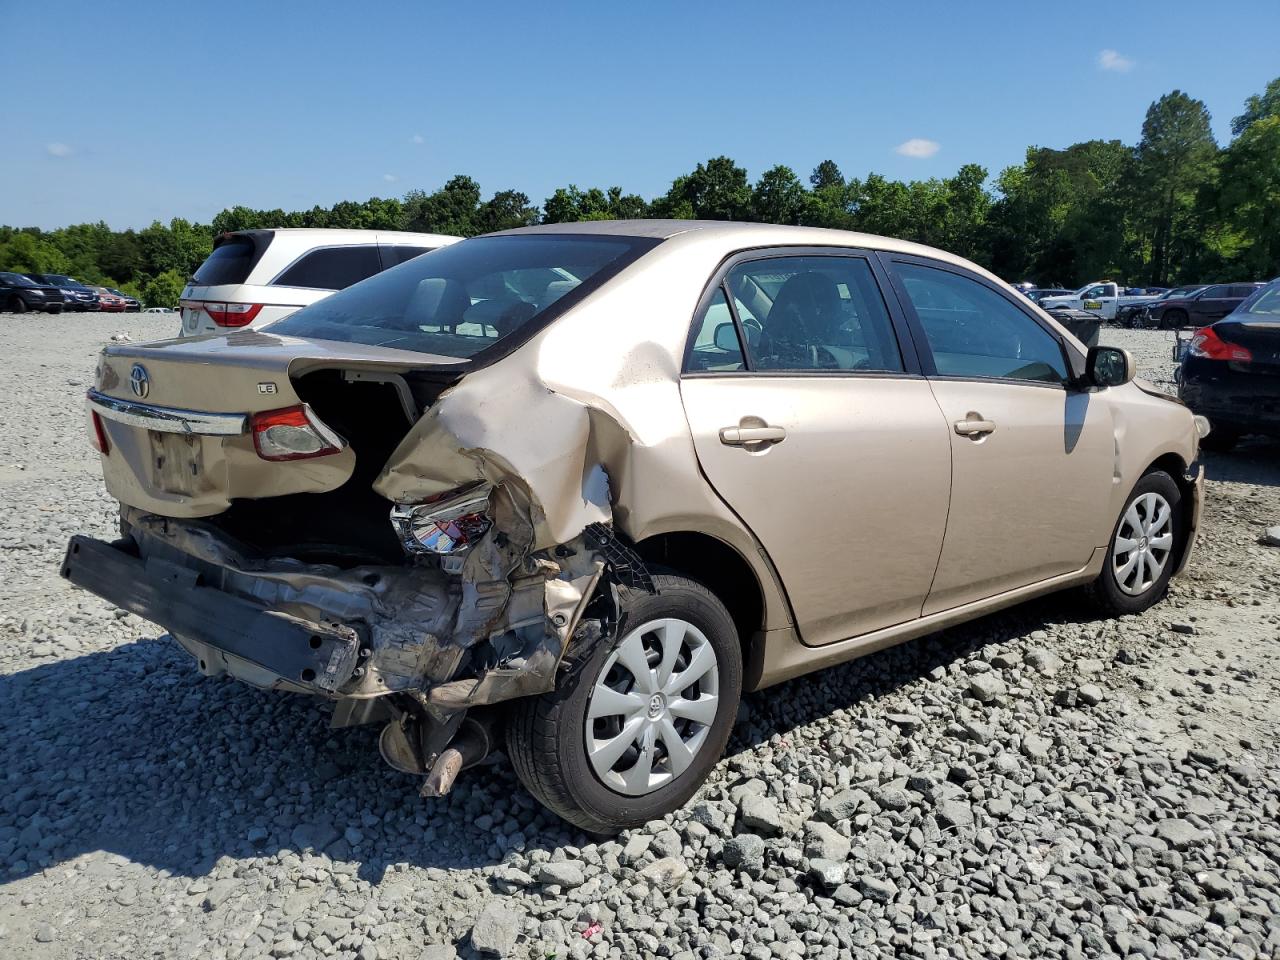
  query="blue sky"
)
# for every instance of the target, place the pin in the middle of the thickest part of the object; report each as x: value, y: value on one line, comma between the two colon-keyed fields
x: 139, y: 111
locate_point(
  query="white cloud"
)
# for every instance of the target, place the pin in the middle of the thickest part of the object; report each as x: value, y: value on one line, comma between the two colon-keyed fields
x: 58, y: 150
x: 417, y: 138
x: 390, y: 177
x: 917, y: 147
x: 1114, y: 61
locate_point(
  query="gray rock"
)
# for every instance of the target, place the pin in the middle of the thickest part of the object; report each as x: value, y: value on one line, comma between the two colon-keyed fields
x: 827, y: 873
x: 1090, y: 694
x: 954, y: 814
x: 760, y: 814
x: 1035, y: 748
x: 1178, y: 833
x: 880, y: 889
x: 567, y: 873
x: 745, y: 851
x: 824, y: 842
x: 438, y: 951
x: 665, y: 874
x: 1270, y: 537
x: 495, y: 930
x: 313, y: 836
x: 987, y: 688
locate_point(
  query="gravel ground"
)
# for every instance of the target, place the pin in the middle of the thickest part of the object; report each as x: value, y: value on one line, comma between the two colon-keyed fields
x: 1037, y: 783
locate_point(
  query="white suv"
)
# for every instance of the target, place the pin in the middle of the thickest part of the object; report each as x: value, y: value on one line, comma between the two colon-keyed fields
x: 256, y: 276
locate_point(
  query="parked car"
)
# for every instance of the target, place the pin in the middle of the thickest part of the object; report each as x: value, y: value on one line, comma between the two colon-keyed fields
x: 588, y: 482
x: 1230, y: 371
x: 1198, y: 308
x: 1036, y: 294
x: 19, y: 293
x: 256, y: 276
x: 132, y: 304
x: 158, y: 310
x: 1103, y: 298
x: 75, y: 295
x: 1131, y: 314
x: 110, y: 302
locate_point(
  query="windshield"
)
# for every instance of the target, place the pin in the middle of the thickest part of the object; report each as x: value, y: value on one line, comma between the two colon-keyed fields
x: 62, y: 280
x: 1263, y: 305
x: 16, y: 280
x: 460, y: 299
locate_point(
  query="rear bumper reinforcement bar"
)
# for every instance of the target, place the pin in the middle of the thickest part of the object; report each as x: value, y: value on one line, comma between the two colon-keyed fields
x: 321, y: 656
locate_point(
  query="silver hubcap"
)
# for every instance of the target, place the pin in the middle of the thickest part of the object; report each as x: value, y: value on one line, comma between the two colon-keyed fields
x: 652, y: 706
x: 1143, y: 543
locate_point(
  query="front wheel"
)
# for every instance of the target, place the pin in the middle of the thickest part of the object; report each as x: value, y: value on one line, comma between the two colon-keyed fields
x: 636, y: 724
x: 17, y: 305
x: 1144, y: 548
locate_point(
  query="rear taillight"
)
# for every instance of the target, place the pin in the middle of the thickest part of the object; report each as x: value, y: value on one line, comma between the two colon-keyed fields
x: 1206, y: 343
x: 229, y: 314
x: 99, y: 436
x: 294, y: 433
x: 444, y: 525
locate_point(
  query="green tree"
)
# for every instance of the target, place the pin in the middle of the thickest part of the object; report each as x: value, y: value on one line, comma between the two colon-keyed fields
x: 505, y: 210
x: 1173, y: 160
x: 716, y: 190
x: 779, y: 197
x: 451, y: 209
x: 28, y: 253
x: 1249, y: 198
x: 1258, y: 108
x: 163, y: 290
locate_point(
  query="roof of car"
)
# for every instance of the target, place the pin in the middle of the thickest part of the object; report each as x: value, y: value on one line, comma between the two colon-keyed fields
x: 344, y: 233
x: 741, y: 235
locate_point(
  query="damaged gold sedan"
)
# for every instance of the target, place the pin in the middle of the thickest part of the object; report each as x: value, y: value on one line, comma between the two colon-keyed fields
x: 582, y: 485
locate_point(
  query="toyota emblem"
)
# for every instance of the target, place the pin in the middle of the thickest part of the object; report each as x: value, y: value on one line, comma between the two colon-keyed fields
x: 139, y: 382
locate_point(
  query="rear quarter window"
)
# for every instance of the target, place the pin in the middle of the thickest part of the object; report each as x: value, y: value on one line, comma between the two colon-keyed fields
x: 331, y: 268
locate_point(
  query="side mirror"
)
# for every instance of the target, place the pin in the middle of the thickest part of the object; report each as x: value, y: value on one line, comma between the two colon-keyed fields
x: 726, y: 338
x: 1109, y: 367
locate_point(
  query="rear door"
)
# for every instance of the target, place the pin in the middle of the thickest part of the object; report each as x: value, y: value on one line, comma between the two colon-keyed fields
x: 1215, y: 302
x: 811, y: 420
x: 1032, y: 457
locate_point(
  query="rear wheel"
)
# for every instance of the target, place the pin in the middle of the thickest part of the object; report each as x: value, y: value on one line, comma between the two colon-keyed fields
x: 1144, y: 548
x: 1173, y: 319
x: 635, y: 725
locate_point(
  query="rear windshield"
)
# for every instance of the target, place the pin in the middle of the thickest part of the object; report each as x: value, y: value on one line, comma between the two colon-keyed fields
x: 463, y: 298
x: 1263, y: 305
x: 230, y: 262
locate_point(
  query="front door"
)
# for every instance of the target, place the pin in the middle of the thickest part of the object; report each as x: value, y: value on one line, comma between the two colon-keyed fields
x: 1032, y: 458
x: 817, y: 436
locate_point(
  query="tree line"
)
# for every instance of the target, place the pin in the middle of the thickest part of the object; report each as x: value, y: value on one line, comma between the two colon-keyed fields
x: 1176, y: 207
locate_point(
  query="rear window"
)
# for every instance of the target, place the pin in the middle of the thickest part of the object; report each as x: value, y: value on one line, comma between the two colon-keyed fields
x: 1264, y: 304
x: 331, y: 268
x: 392, y: 255
x: 466, y: 297
x: 230, y: 262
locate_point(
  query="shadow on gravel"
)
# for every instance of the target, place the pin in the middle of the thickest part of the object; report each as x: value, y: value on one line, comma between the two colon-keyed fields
x: 1255, y: 460
x: 130, y: 751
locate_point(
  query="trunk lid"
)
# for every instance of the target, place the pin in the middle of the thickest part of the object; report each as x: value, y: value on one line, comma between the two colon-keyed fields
x: 176, y: 416
x: 1260, y: 337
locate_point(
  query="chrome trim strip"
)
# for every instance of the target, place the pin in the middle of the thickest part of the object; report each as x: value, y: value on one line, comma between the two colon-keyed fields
x: 166, y: 419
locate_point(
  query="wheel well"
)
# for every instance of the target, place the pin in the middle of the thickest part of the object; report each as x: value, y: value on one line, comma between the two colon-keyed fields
x: 719, y: 568
x: 1176, y: 467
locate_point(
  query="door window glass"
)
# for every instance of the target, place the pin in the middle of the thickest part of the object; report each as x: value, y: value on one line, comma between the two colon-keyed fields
x: 813, y: 313
x: 715, y: 342
x: 975, y: 332
x: 332, y: 268
x: 1217, y: 291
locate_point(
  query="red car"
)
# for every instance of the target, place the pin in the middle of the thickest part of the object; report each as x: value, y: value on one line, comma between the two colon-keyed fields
x: 111, y: 302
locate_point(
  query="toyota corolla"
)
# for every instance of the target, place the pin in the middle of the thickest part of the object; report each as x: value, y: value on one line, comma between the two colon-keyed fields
x: 580, y: 486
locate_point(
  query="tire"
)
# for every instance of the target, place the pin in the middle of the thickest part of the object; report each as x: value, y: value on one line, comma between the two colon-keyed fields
x: 1173, y: 319
x: 1124, y: 585
x: 547, y: 734
x: 17, y: 304
x: 1220, y: 439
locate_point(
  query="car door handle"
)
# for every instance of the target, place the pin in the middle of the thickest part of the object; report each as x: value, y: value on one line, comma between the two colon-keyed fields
x: 974, y: 427
x: 741, y: 436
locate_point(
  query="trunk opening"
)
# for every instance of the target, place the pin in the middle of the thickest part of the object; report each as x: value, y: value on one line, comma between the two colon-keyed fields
x: 350, y: 525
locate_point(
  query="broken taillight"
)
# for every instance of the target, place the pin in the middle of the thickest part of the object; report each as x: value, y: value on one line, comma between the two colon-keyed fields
x: 294, y: 433
x: 443, y: 526
x: 99, y: 436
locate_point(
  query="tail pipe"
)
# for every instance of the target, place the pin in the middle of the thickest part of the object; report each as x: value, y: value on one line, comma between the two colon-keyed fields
x: 470, y: 745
